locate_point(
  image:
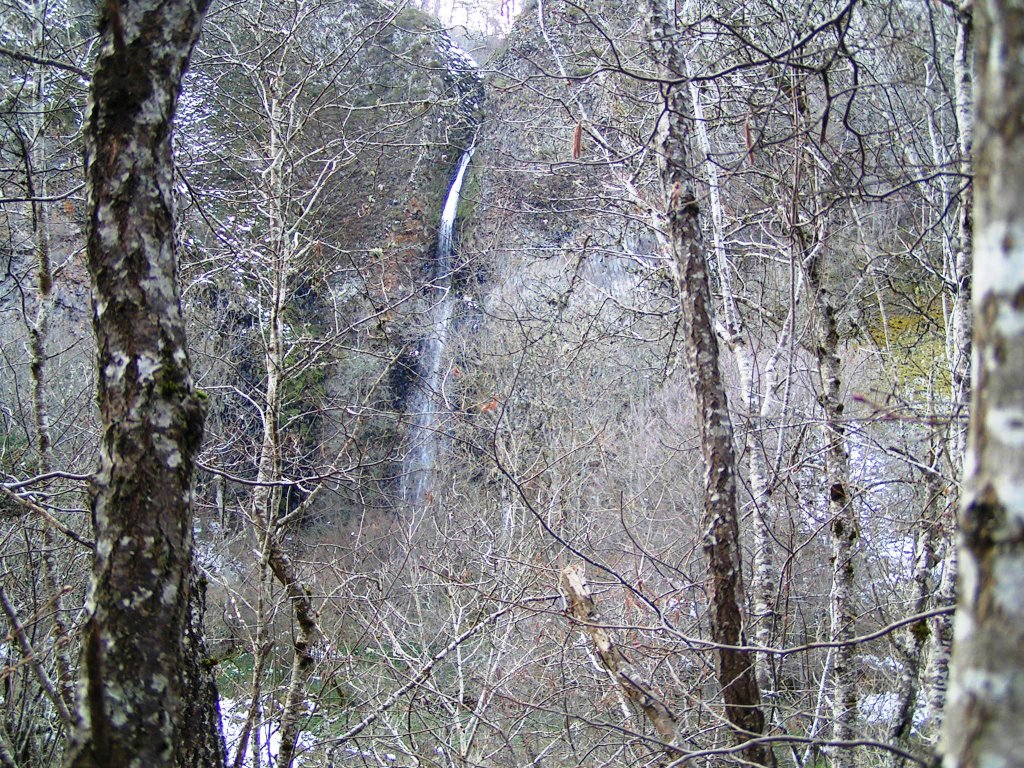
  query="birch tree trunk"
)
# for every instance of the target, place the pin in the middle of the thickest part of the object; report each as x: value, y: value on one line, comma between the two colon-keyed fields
x: 267, y: 497
x: 136, y: 657
x: 845, y: 527
x: 985, y: 707
x: 958, y: 353
x: 912, y: 647
x: 735, y: 668
x: 760, y: 398
x: 35, y: 149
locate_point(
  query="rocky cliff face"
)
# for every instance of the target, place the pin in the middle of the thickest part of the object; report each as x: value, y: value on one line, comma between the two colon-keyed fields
x: 317, y: 145
x: 570, y: 279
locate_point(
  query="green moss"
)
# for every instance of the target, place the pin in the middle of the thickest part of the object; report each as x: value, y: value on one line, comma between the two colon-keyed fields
x: 415, y: 20
x: 915, y: 347
x: 470, y: 195
x: 170, y: 387
x: 920, y: 632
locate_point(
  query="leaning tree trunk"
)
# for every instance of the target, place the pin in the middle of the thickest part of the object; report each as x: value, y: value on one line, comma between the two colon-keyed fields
x: 137, y: 662
x: 985, y: 707
x: 735, y: 667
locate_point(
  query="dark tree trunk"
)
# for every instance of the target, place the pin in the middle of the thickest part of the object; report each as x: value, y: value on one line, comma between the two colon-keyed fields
x: 736, y: 672
x: 137, y: 658
x: 199, y: 712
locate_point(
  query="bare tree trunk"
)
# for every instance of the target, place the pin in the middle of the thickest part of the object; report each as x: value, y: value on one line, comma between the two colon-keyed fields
x: 267, y: 497
x: 35, y: 155
x: 759, y: 400
x: 736, y: 674
x: 958, y: 353
x: 985, y: 707
x: 912, y: 645
x: 200, y: 706
x: 842, y: 513
x: 581, y: 606
x: 306, y: 635
x: 135, y: 648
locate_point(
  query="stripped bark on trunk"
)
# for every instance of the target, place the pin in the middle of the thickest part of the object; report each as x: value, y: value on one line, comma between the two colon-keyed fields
x: 580, y: 605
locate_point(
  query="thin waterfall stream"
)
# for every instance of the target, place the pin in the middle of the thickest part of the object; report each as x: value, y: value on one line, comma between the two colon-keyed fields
x: 428, y: 405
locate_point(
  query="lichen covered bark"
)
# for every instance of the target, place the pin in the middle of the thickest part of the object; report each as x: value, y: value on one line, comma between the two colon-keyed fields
x: 152, y: 417
x: 735, y: 668
x: 199, y: 712
x: 845, y: 528
x: 985, y: 708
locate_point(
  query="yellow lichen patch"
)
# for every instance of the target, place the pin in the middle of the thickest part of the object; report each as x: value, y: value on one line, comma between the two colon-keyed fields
x: 915, y: 347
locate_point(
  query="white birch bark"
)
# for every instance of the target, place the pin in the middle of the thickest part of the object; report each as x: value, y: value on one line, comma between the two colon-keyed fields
x: 845, y: 527
x: 985, y: 707
x: 913, y: 645
x: 759, y: 400
x: 958, y: 354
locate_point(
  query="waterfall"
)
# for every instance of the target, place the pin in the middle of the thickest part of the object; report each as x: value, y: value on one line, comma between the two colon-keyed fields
x: 428, y: 404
